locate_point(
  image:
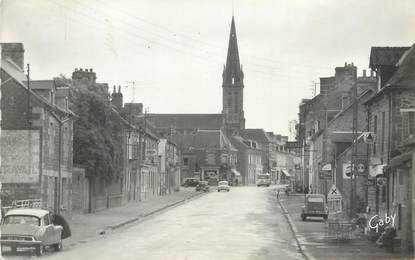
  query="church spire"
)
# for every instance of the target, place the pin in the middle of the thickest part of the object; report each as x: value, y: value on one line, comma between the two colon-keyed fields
x: 232, y: 72
x: 233, y: 87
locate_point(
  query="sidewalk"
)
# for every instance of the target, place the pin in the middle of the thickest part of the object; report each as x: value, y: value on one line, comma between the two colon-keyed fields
x: 86, y: 227
x: 312, y: 241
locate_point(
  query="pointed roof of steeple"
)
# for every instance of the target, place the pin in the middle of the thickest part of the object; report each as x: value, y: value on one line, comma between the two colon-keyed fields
x: 233, y: 66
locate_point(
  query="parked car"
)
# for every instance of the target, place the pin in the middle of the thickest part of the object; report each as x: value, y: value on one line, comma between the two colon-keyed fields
x: 33, y: 228
x: 315, y: 206
x: 223, y: 185
x: 203, y: 186
x: 191, y: 182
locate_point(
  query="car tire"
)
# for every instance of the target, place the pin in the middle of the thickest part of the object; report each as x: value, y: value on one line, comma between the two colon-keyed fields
x: 304, y: 217
x: 325, y: 217
x: 218, y: 190
x: 58, y: 246
x: 228, y: 190
x: 40, y: 250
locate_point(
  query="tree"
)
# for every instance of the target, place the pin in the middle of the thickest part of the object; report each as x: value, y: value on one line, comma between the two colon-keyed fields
x: 98, y: 129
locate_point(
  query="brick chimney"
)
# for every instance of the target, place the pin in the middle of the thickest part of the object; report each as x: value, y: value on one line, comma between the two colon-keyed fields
x: 14, y: 51
x: 117, y: 99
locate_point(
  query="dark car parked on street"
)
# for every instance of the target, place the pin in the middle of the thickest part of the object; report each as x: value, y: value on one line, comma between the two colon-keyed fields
x: 191, y: 182
x: 203, y: 186
x: 315, y: 206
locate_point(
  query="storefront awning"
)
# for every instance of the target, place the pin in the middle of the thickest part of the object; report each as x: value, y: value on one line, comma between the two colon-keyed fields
x: 286, y: 173
x: 400, y: 159
x: 236, y: 172
x: 376, y: 170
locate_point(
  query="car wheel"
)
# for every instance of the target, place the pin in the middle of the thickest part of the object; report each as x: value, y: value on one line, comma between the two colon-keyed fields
x: 303, y: 217
x: 228, y: 190
x: 58, y: 246
x: 218, y: 190
x: 40, y: 250
x: 325, y: 217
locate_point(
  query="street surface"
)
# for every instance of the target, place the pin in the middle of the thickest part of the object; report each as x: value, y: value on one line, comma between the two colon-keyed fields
x: 245, y: 223
x: 312, y: 236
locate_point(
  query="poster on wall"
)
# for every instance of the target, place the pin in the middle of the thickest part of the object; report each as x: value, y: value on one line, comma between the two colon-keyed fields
x: 19, y: 156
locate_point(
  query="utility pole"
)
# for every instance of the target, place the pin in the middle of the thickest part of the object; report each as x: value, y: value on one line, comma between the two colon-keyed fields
x: 29, y: 122
x: 353, y: 173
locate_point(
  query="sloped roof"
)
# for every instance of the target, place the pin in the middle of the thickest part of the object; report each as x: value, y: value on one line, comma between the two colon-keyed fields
x: 258, y: 135
x: 350, y: 106
x: 238, y: 142
x: 385, y: 56
x: 41, y: 84
x: 187, y: 121
x: 405, y: 75
x: 18, y: 75
x: 204, y: 139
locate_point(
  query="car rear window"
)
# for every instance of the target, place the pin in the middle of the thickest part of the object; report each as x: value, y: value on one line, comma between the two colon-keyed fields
x: 20, y: 219
x: 223, y: 183
x: 315, y: 199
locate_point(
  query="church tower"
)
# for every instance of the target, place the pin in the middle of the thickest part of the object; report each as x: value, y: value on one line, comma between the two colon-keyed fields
x: 233, y: 87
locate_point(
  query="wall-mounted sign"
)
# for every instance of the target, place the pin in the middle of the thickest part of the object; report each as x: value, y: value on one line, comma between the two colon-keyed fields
x: 20, y: 156
x: 293, y: 145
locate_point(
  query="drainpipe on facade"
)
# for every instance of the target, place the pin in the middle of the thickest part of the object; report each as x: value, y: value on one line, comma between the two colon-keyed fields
x: 389, y: 148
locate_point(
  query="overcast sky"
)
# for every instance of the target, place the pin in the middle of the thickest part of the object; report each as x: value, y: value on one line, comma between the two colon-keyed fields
x: 175, y: 49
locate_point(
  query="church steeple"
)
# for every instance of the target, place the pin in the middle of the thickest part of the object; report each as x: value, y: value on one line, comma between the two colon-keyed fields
x: 232, y: 86
x: 232, y: 71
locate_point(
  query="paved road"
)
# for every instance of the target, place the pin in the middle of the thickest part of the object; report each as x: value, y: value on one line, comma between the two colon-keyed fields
x: 312, y: 236
x: 245, y: 223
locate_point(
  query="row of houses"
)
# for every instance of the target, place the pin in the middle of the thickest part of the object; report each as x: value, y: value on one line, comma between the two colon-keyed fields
x: 356, y: 137
x: 155, y: 153
x: 37, y: 133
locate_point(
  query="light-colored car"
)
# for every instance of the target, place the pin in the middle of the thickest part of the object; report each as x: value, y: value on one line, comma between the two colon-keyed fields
x: 223, y: 185
x: 33, y: 228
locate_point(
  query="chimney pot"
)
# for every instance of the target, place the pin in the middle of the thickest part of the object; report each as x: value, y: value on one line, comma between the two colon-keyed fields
x: 371, y: 73
x: 364, y: 73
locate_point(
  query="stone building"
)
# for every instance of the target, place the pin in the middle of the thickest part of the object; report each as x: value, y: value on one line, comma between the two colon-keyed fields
x: 391, y: 119
x: 384, y: 121
x: 36, y: 136
x: 208, y: 155
x: 169, y: 154
x: 249, y: 163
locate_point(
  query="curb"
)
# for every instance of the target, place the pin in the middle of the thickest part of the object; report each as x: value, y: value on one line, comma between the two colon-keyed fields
x: 303, y: 250
x: 143, y: 216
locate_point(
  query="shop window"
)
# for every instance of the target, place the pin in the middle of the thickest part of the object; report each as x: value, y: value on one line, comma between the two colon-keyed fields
x: 186, y: 161
x: 383, y: 193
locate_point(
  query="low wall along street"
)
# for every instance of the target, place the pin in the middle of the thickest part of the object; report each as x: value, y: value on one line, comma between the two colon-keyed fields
x: 20, y: 156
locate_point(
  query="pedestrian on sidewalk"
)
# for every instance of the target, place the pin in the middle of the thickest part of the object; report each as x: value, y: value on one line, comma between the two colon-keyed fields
x: 278, y: 194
